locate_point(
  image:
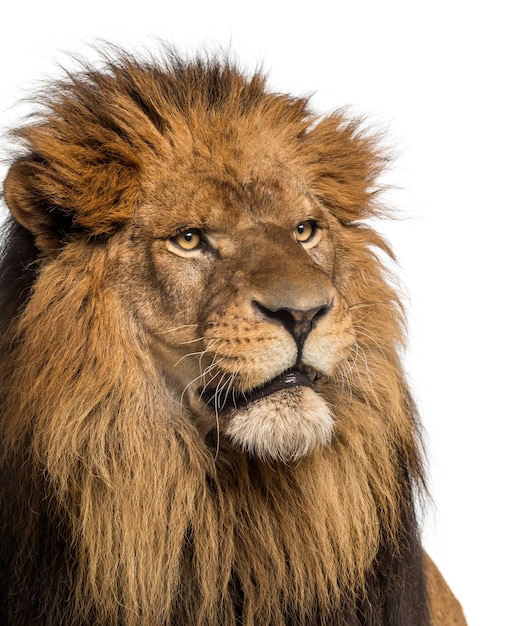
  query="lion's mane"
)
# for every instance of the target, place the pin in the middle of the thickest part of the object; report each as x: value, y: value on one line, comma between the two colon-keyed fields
x: 114, y: 510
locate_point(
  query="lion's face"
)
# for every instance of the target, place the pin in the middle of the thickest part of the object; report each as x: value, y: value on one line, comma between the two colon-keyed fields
x: 233, y: 229
x: 235, y: 288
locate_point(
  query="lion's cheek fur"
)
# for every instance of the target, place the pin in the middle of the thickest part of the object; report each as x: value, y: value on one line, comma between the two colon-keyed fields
x: 283, y: 426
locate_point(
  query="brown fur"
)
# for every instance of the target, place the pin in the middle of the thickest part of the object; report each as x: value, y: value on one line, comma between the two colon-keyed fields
x: 127, y: 502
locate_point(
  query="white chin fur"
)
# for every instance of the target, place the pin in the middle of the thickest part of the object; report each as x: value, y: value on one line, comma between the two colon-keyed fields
x: 283, y: 426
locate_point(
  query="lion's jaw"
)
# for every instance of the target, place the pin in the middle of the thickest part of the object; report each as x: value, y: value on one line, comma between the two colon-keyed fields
x: 283, y: 426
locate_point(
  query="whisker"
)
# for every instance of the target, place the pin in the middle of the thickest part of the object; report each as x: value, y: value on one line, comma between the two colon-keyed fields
x: 362, y: 305
x: 220, y: 389
x: 206, y: 371
x: 229, y: 384
x: 201, y: 353
x: 211, y: 346
x: 350, y: 370
x: 217, y: 436
x: 184, y: 343
x: 201, y: 376
x: 190, y: 354
x: 372, y: 337
x: 177, y: 328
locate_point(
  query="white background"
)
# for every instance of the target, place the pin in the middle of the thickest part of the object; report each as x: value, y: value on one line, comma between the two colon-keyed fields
x: 443, y: 79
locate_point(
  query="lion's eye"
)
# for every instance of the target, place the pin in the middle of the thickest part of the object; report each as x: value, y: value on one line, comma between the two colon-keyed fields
x: 305, y: 231
x: 189, y: 239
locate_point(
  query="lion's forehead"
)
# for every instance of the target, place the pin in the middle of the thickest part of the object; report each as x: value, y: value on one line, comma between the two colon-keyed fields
x: 226, y: 193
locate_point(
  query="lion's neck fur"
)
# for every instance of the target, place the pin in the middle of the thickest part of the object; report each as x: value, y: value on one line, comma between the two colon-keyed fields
x: 162, y: 525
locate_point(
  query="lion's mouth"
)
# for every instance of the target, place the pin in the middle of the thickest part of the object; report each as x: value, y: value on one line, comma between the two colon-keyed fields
x: 224, y: 400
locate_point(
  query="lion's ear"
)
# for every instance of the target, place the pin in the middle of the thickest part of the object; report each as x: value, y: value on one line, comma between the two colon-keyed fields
x: 52, y: 196
x: 29, y: 204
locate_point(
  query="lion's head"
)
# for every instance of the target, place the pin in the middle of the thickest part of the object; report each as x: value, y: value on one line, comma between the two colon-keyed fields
x: 202, y: 390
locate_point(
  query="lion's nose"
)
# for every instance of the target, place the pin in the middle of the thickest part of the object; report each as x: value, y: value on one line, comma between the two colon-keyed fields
x: 298, y: 323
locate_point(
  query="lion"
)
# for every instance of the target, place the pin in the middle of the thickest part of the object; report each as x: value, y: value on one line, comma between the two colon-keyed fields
x: 204, y: 419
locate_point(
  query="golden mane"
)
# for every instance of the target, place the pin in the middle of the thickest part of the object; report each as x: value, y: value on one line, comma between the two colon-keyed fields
x: 115, y: 509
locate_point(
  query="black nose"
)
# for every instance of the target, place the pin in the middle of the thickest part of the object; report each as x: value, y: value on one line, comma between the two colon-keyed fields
x: 298, y: 323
